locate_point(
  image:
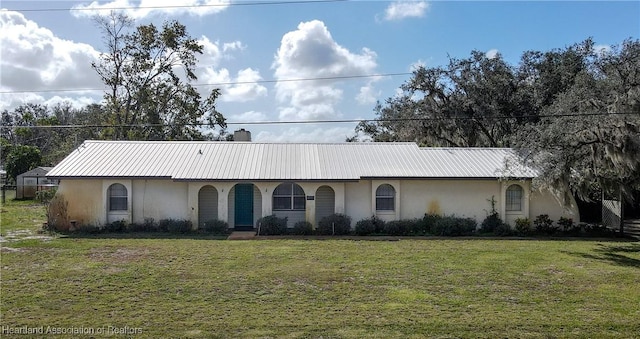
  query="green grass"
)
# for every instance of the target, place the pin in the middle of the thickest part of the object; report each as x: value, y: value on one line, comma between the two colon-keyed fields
x: 186, y: 287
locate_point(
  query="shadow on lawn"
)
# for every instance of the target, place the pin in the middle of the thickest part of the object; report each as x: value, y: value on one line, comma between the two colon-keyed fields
x: 614, y: 254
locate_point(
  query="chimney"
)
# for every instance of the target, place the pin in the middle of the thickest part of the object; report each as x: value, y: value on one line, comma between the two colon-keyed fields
x: 241, y: 135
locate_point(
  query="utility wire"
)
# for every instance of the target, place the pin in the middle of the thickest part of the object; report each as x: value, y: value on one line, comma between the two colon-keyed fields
x: 229, y: 4
x: 504, y: 117
x: 231, y: 83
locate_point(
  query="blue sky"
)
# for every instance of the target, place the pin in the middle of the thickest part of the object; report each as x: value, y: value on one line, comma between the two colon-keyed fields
x: 45, y: 51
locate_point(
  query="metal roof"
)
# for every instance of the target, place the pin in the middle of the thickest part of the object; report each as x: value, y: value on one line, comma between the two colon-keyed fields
x: 197, y: 160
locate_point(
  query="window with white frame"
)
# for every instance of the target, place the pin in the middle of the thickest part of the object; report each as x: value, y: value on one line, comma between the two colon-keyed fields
x: 514, y: 198
x: 117, y: 197
x: 385, y: 198
x: 289, y: 196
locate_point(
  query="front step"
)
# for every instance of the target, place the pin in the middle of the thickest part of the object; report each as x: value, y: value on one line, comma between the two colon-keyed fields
x: 242, y: 235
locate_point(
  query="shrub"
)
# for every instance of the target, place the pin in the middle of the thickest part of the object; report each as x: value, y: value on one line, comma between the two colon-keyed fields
x: 597, y: 230
x: 89, y: 229
x: 426, y: 224
x: 45, y: 196
x: 566, y: 225
x: 453, y: 226
x: 302, y: 228
x: 503, y: 230
x: 369, y: 226
x: 116, y: 227
x: 400, y: 227
x: 149, y: 225
x: 544, y: 225
x: 272, y: 225
x: 216, y: 226
x: 57, y: 216
x: 175, y: 225
x: 523, y: 226
x: 493, y: 223
x: 335, y: 224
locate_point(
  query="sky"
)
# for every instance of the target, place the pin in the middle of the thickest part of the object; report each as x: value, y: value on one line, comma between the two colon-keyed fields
x: 298, y: 61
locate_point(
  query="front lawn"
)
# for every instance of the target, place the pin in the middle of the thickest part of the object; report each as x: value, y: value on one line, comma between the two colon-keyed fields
x: 191, y: 287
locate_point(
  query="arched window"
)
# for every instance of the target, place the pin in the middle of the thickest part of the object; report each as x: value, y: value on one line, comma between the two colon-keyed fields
x: 288, y: 196
x: 514, y: 198
x: 117, y: 197
x: 385, y: 198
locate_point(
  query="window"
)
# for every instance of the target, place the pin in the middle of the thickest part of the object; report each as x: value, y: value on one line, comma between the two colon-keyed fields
x: 385, y: 198
x: 289, y: 196
x: 514, y: 198
x: 117, y: 197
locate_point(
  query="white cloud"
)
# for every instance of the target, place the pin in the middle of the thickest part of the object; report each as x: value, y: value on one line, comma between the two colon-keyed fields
x: 403, y: 9
x: 241, y: 88
x: 249, y: 116
x: 302, y: 134
x: 311, y: 53
x: 144, y: 8
x: 34, y: 59
x: 602, y: 49
x: 232, y: 46
x: 492, y: 53
x: 368, y: 95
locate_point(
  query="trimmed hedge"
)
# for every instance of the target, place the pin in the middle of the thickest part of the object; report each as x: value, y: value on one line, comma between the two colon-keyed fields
x: 272, y: 225
x: 335, y: 224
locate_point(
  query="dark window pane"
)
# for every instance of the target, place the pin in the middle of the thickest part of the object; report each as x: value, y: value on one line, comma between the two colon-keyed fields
x: 385, y: 204
x: 281, y: 203
x: 299, y: 203
x: 283, y: 189
x: 118, y: 203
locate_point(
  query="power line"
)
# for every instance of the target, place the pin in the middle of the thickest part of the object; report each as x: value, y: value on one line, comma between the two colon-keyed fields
x: 230, y: 83
x: 229, y: 4
x: 291, y: 122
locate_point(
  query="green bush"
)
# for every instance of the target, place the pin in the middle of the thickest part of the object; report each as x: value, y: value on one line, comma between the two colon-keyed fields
x: 272, y: 225
x: 149, y: 225
x: 567, y: 226
x: 454, y: 226
x: 335, y: 224
x: 400, y: 227
x: 89, y: 229
x: 426, y: 225
x: 597, y: 230
x: 492, y: 223
x: 302, y: 228
x: 503, y: 230
x: 544, y: 225
x: 176, y: 225
x: 215, y: 226
x: 45, y: 196
x: 116, y: 227
x: 523, y: 226
x: 369, y: 226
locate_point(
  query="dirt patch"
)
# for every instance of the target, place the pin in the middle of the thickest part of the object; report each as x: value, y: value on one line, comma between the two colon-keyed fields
x: 23, y: 235
x: 117, y: 255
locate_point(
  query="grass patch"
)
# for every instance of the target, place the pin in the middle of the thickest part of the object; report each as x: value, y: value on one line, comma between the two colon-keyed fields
x: 331, y: 288
x: 190, y: 287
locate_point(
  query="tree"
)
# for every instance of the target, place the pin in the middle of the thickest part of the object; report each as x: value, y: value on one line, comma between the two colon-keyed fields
x: 147, y: 99
x: 22, y: 159
x: 476, y: 101
x: 590, y: 142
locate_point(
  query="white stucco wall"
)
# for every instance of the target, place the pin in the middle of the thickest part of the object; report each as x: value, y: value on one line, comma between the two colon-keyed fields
x: 164, y: 199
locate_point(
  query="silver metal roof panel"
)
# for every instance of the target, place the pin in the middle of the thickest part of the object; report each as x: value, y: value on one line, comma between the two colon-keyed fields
x: 281, y: 161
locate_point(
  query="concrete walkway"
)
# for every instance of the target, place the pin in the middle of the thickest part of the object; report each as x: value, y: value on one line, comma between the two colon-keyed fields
x: 242, y: 235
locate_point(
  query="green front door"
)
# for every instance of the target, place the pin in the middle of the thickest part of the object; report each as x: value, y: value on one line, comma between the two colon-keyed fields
x: 244, y: 207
